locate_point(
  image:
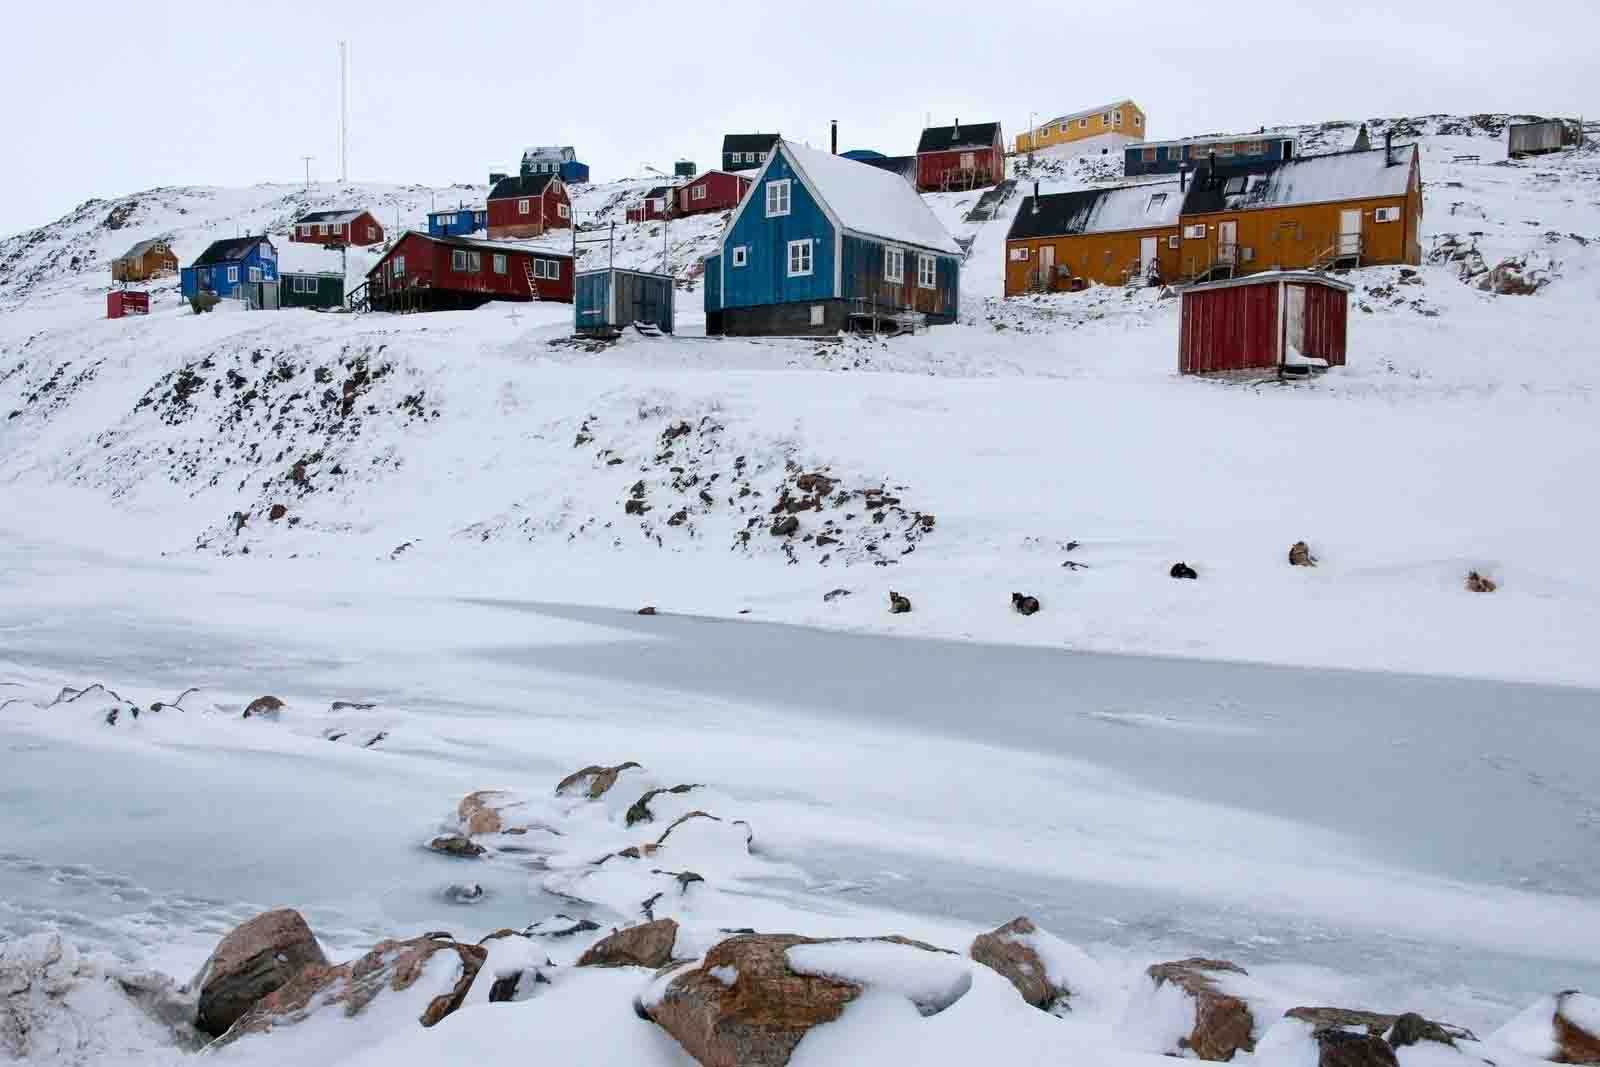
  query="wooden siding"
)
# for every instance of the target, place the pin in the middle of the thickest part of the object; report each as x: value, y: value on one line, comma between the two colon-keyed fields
x: 329, y: 292
x: 153, y: 264
x: 428, y: 266
x: 364, y: 229
x: 1327, y: 311
x: 723, y: 193
x: 1229, y: 329
x: 862, y: 277
x: 1136, y: 159
x: 504, y: 220
x: 1051, y: 133
x: 1096, y: 257
x: 764, y: 278
x: 713, y: 284
x: 943, y: 170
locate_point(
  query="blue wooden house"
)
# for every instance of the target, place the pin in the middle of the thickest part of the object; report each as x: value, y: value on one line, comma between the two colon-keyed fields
x: 560, y: 160
x: 822, y: 244
x: 458, y: 221
x: 229, y: 264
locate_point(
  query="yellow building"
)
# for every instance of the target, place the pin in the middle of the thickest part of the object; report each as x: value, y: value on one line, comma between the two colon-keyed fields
x: 1122, y: 117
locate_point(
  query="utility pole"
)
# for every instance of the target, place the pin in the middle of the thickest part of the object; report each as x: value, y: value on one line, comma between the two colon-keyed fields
x: 308, y: 160
x: 344, y: 117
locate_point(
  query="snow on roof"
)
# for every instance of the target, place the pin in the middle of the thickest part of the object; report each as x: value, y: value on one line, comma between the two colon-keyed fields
x: 141, y: 247
x: 305, y: 257
x: 1086, y: 112
x: 337, y: 215
x: 870, y: 201
x: 1127, y: 207
x: 1307, y: 180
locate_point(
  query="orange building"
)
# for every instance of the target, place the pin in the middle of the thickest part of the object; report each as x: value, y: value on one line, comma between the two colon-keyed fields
x: 1106, y: 236
x: 145, y: 260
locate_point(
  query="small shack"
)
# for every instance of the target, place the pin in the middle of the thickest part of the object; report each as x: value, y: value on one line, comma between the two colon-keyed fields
x: 1533, y: 138
x: 1289, y: 322
x: 612, y: 299
x: 144, y: 261
x: 311, y: 289
x: 120, y: 302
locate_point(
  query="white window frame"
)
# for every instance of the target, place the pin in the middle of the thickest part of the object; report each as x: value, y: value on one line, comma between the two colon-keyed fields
x: 1019, y: 255
x: 927, y: 271
x: 538, y: 268
x: 780, y: 191
x: 563, y: 211
x: 741, y: 255
x: 458, y: 260
x: 806, y: 247
x: 253, y: 274
x: 372, y: 232
x: 499, y: 263
x: 1386, y: 214
x: 552, y: 269
x: 969, y: 160
x: 265, y: 250
x: 1156, y: 200
x: 398, y: 266
x: 233, y: 275
x: 1116, y: 117
x: 698, y: 193
x: 1173, y: 240
x: 524, y: 206
x: 894, y: 264
x: 1083, y: 124
x: 1196, y: 232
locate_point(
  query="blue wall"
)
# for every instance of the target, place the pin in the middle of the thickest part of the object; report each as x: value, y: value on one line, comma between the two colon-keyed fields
x: 592, y: 299
x: 764, y: 277
x: 1170, y: 157
x: 574, y: 173
x: 466, y: 221
x: 194, y: 279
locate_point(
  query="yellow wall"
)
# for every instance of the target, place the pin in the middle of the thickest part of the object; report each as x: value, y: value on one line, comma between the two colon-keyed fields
x: 1095, y: 257
x: 1133, y: 125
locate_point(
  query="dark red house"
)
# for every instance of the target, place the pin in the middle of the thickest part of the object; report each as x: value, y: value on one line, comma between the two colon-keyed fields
x: 1284, y: 321
x: 348, y: 226
x: 971, y: 156
x: 423, y: 273
x: 656, y: 204
x: 715, y: 190
x: 528, y: 205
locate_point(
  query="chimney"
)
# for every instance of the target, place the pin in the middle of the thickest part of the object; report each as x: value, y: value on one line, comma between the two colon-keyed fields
x: 1388, y: 148
x: 1036, y: 196
x: 957, y: 131
x: 1183, y: 177
x: 1211, y: 165
x: 835, y: 125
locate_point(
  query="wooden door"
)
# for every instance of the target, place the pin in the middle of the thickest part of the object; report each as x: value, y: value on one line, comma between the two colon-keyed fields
x: 1047, y: 264
x: 1147, y: 255
x: 1227, y: 241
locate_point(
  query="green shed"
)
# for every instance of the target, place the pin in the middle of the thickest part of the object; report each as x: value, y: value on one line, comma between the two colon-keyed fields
x: 303, y: 289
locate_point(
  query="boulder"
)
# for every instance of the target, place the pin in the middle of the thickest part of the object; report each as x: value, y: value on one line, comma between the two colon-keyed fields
x: 1183, y: 570
x: 898, y: 605
x: 1511, y: 277
x: 1300, y: 555
x: 639, y: 811
x: 1477, y: 583
x: 646, y: 945
x: 1576, y: 1024
x: 456, y: 845
x: 1343, y: 1048
x: 1023, y: 604
x: 252, y: 961
x: 786, y: 526
x: 1223, y: 1023
x: 1008, y: 952
x: 594, y: 781
x: 267, y: 706
x: 391, y: 968
x: 1399, y: 1030
x: 748, y: 1004
x: 479, y: 813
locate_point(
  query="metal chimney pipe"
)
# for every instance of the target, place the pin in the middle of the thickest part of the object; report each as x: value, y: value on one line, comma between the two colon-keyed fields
x: 1183, y: 177
x: 1036, y: 196
x: 1388, y: 148
x: 957, y: 131
x: 835, y: 125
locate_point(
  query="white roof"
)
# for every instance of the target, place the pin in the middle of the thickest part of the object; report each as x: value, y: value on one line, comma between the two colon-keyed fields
x: 1086, y: 112
x: 1131, y: 207
x: 870, y: 201
x: 1223, y: 138
x: 1321, y: 179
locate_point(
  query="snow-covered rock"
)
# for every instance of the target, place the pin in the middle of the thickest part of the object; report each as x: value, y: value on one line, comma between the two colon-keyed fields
x: 254, y: 959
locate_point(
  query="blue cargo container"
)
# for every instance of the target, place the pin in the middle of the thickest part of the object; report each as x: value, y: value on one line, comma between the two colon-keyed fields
x: 457, y: 222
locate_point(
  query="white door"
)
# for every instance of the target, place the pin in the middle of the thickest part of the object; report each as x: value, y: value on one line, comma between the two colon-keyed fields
x: 1047, y: 263
x: 1350, y: 232
x: 1147, y: 255
x: 1227, y: 241
x: 1294, y: 324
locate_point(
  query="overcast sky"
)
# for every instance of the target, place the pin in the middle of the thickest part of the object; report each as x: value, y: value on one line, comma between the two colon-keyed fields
x: 106, y: 98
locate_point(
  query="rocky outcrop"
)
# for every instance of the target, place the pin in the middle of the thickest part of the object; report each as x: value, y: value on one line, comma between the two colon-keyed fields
x: 594, y: 781
x: 254, y: 960
x: 1300, y: 555
x: 1477, y: 583
x: 266, y: 707
x: 480, y: 812
x: 1006, y: 951
x: 1399, y: 1030
x: 1223, y: 1024
x: 1577, y: 1041
x: 647, y: 945
x: 456, y: 845
x: 1344, y: 1048
x: 392, y: 967
x: 640, y: 809
x: 744, y: 1005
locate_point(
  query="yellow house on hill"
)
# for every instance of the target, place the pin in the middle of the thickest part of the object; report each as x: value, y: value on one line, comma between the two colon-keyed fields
x: 1122, y: 117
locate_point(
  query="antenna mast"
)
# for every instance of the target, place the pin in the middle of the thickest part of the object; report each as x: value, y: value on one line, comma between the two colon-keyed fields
x: 344, y: 117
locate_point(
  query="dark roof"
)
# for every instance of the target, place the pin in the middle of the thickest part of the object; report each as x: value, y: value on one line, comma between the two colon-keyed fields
x: 966, y: 135
x: 343, y: 214
x: 861, y: 155
x: 520, y: 185
x: 892, y: 164
x: 1124, y: 207
x: 139, y: 249
x: 657, y: 191
x: 748, y: 142
x: 228, y: 249
x: 1358, y: 174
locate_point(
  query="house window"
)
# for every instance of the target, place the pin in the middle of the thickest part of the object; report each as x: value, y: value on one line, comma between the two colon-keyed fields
x: 778, y: 200
x: 1173, y: 241
x: 563, y: 211
x: 399, y: 266
x: 1196, y: 232
x: 523, y: 207
x: 894, y: 265
x: 254, y: 274
x: 741, y: 255
x: 1386, y: 214
x: 1116, y: 118
x: 1083, y: 124
x: 538, y: 268
x: 699, y: 193
x: 322, y: 229
x: 800, y: 258
x: 1233, y: 186
x: 462, y: 260
x: 1149, y: 155
x: 499, y: 263
x: 233, y: 274
x: 1225, y: 149
x: 1019, y: 255
x: 372, y: 234
x: 1105, y: 120
x: 926, y: 272
x: 305, y: 230
x: 1157, y: 201
x: 816, y: 314
x: 1138, y: 120
x: 968, y: 161
x: 265, y: 250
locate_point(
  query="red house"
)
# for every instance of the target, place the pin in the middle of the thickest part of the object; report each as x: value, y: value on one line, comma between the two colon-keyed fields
x: 528, y: 205
x: 1285, y: 321
x: 960, y: 157
x: 423, y: 273
x: 657, y: 203
x: 715, y: 190
x: 344, y: 227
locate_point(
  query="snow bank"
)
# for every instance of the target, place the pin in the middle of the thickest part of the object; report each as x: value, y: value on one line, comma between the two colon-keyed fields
x: 930, y: 980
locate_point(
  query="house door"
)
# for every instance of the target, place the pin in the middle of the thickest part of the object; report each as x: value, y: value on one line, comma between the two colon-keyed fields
x: 1047, y: 264
x: 1227, y: 242
x: 1294, y: 325
x: 1350, y: 232
x: 1147, y: 256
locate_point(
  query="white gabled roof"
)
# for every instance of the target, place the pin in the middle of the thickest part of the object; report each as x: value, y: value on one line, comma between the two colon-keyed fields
x: 869, y: 201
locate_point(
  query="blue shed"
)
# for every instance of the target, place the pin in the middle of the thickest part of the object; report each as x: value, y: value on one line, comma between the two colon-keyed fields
x: 457, y: 222
x: 823, y: 244
x: 608, y: 300
x: 221, y: 268
x: 1166, y: 157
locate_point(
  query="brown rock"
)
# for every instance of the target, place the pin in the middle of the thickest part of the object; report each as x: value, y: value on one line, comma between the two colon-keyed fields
x: 1222, y: 1023
x: 1018, y: 963
x: 898, y: 605
x: 391, y: 965
x: 254, y: 960
x: 785, y: 526
x: 1300, y: 555
x: 267, y: 705
x: 595, y: 780
x: 276, y: 512
x: 1400, y: 1030
x: 648, y: 609
x: 1023, y: 604
x: 646, y: 945
x: 479, y: 814
x: 1574, y: 1044
x: 1341, y: 1048
x: 640, y: 810
x: 457, y: 845
x: 1477, y: 583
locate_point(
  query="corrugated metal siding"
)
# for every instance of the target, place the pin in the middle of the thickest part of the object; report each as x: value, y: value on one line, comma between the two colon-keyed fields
x: 592, y: 301
x: 862, y: 277
x: 1534, y: 137
x: 1326, y: 310
x: 1234, y: 328
x: 614, y: 299
x: 764, y: 278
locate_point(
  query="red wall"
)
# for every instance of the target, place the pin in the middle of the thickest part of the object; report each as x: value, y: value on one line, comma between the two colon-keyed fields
x: 428, y: 263
x: 505, y: 221
x: 1326, y: 311
x: 1233, y: 328
x: 931, y: 165
x: 342, y: 233
x: 723, y: 192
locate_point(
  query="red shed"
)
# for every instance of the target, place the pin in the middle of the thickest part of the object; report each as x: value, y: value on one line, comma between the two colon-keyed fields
x: 527, y: 206
x: 715, y: 190
x: 120, y: 302
x: 655, y: 205
x: 960, y: 157
x: 424, y: 273
x: 343, y: 226
x: 1271, y: 321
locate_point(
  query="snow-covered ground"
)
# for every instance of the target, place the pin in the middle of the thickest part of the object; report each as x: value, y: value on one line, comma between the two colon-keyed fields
x: 1367, y: 785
